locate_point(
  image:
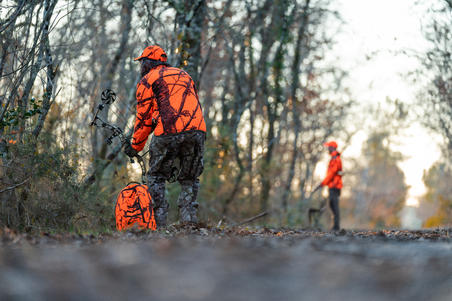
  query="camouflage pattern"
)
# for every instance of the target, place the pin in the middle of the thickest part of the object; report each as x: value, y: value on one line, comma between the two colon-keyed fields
x: 187, y: 201
x: 165, y: 151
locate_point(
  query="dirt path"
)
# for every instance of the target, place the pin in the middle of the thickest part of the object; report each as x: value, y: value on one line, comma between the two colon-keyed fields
x: 238, y: 264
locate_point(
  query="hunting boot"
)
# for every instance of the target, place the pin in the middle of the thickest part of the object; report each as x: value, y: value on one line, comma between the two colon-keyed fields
x: 161, y: 215
x: 188, y: 207
x: 157, y: 191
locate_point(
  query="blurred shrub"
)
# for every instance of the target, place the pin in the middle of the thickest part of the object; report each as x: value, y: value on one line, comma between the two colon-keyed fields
x: 40, y: 190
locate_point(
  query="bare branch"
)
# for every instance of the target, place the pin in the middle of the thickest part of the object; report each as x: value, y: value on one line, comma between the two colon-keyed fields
x: 14, y: 186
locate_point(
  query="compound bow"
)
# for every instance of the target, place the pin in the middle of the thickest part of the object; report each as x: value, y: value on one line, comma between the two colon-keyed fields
x: 108, y: 97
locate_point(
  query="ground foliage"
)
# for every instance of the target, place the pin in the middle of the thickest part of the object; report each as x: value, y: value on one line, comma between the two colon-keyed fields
x: 232, y: 263
x: 12, y: 237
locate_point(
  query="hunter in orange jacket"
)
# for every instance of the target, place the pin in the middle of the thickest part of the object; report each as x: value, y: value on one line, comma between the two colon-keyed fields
x: 168, y: 105
x: 333, y: 180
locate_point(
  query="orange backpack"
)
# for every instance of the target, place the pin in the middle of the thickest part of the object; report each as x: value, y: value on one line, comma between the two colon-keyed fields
x: 134, y: 206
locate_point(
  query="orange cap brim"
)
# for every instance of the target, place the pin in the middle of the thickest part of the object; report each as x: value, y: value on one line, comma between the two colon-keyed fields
x: 329, y: 145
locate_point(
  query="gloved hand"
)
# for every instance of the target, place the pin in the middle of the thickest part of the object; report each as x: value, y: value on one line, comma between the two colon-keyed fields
x: 129, y: 150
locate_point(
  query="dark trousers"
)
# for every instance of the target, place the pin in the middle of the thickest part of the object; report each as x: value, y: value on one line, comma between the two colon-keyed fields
x: 334, y: 194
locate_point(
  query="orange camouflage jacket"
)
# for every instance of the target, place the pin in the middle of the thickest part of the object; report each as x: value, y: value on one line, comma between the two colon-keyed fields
x: 167, y: 103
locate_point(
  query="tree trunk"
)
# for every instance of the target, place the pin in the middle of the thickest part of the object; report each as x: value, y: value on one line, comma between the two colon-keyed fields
x: 190, y: 22
x: 51, y: 72
x: 293, y: 95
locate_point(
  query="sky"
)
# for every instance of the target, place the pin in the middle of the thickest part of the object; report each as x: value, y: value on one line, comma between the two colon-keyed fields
x: 370, y: 47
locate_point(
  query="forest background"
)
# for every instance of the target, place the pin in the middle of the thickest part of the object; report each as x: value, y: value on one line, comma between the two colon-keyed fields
x: 272, y: 90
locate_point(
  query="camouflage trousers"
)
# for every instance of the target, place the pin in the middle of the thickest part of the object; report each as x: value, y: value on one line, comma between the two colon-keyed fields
x: 187, y: 148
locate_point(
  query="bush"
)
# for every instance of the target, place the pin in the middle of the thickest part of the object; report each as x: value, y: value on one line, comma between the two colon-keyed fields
x: 40, y: 190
